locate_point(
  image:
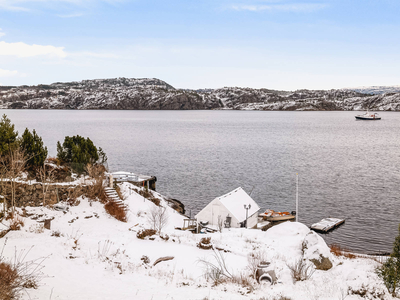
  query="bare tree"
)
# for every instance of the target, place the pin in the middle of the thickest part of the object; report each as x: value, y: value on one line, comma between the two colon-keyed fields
x: 14, y: 164
x: 46, y: 177
x: 96, y: 172
x: 158, y: 218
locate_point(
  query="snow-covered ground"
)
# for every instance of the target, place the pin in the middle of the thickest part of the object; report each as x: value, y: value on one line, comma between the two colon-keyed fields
x: 90, y: 255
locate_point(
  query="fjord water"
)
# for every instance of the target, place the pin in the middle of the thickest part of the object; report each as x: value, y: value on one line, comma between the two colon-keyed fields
x: 347, y: 169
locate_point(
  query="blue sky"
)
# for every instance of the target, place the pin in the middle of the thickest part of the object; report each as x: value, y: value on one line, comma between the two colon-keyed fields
x: 276, y: 44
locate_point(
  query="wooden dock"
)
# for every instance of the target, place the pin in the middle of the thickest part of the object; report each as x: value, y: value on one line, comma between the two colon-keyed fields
x: 327, y: 224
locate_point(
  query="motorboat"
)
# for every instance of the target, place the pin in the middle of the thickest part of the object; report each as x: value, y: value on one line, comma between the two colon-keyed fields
x: 271, y: 215
x: 368, y: 116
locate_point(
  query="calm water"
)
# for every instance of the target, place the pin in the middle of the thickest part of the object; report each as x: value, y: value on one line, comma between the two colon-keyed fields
x: 347, y: 169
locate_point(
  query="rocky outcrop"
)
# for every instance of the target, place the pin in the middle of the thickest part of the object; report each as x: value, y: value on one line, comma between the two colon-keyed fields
x: 155, y: 94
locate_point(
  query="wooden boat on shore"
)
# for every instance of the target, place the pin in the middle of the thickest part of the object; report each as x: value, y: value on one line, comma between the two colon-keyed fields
x: 273, y: 216
x: 327, y: 224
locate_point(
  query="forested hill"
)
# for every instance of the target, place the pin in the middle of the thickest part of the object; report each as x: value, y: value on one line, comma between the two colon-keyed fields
x: 155, y: 94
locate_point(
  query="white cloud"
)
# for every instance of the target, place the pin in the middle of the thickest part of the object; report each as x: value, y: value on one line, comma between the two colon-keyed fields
x: 73, y: 15
x: 94, y: 54
x: 289, y: 7
x: 24, y: 50
x: 23, y: 5
x: 8, y: 73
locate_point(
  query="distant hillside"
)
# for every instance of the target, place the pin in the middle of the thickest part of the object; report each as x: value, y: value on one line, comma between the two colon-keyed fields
x: 155, y: 94
x: 376, y: 90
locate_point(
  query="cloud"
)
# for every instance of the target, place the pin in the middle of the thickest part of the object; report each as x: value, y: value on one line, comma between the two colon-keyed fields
x: 73, y: 15
x: 24, y: 50
x: 8, y: 73
x: 288, y: 7
x: 2, y: 33
x: 24, y: 5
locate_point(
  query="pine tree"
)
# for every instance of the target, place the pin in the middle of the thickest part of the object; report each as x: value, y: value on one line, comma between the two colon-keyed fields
x: 8, y: 136
x: 78, y: 152
x: 34, y: 149
x: 390, y: 270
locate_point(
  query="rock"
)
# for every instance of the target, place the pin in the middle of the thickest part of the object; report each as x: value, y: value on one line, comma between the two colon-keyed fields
x: 315, y: 250
x: 323, y: 263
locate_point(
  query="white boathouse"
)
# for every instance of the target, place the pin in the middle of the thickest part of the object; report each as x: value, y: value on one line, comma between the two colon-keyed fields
x: 231, y: 208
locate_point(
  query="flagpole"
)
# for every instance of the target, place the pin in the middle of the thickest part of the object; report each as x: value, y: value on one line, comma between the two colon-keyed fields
x: 297, y: 197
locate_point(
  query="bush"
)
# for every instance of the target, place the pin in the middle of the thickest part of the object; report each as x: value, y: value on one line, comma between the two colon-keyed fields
x: 145, y: 232
x: 77, y: 152
x: 205, y: 243
x: 116, y: 210
x: 390, y: 270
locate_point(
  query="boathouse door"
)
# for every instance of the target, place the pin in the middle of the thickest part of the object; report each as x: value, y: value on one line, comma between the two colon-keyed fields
x: 215, y: 214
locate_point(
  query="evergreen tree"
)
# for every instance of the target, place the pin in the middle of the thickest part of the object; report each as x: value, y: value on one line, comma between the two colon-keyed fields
x: 8, y: 136
x: 34, y: 149
x: 390, y: 270
x: 78, y: 152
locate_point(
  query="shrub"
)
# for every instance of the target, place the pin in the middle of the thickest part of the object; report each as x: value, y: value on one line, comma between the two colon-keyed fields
x: 390, y: 270
x: 205, y: 243
x: 116, y: 210
x: 145, y: 232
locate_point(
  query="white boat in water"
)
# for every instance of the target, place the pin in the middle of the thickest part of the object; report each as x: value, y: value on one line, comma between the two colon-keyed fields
x: 271, y: 215
x: 368, y: 116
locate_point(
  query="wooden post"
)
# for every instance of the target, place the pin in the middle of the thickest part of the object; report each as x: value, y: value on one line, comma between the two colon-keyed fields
x: 111, y: 183
x: 47, y: 223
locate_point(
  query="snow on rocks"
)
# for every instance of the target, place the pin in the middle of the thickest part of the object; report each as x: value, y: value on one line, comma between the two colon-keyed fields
x: 91, y: 255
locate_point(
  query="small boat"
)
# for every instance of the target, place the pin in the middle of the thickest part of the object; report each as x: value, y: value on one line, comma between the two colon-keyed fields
x: 327, y: 224
x: 271, y: 215
x: 368, y: 116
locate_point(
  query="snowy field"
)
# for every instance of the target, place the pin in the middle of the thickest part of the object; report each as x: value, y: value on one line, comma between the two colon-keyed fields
x: 90, y: 255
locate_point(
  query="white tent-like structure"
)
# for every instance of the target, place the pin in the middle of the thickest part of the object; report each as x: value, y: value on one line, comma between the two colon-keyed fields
x: 232, y: 206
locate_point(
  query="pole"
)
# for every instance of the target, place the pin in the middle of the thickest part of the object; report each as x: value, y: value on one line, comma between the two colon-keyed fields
x: 297, y: 197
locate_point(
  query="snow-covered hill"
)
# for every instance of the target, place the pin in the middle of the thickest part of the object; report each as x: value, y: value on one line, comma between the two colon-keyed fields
x: 154, y: 94
x: 90, y: 255
x: 376, y: 90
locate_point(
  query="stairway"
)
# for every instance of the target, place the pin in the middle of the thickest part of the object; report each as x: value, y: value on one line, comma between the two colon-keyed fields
x: 112, y: 196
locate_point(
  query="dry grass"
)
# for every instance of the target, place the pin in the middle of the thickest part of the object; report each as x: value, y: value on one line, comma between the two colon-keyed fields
x: 16, y: 223
x: 148, y: 194
x: 96, y: 189
x: 116, y: 210
x: 18, y: 275
x: 301, y: 270
x: 339, y: 251
x: 145, y: 232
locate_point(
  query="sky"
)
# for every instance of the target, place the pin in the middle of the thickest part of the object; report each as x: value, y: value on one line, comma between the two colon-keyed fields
x: 275, y: 44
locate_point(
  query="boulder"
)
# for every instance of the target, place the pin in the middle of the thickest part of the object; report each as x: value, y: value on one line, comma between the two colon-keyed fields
x: 315, y: 250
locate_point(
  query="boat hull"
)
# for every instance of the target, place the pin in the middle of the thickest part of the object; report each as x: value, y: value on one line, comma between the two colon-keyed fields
x: 368, y: 118
x: 280, y: 218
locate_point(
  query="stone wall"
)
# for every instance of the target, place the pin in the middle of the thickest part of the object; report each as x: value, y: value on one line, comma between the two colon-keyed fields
x: 32, y: 194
